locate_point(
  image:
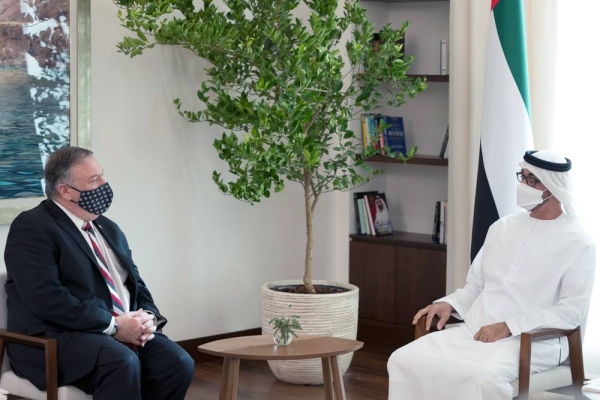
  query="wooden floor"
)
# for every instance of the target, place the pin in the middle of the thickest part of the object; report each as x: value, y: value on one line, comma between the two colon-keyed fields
x: 366, y: 379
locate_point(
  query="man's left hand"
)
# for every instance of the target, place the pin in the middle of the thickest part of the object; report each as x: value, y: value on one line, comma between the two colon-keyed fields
x: 492, y: 333
x: 149, y: 327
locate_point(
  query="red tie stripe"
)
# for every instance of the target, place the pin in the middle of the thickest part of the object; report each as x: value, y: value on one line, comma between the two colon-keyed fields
x: 118, y: 308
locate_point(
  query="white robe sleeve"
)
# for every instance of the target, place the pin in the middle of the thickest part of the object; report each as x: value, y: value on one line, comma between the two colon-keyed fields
x: 572, y: 300
x: 462, y: 299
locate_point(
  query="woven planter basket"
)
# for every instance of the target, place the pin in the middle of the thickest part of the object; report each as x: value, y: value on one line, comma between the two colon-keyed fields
x: 320, y: 314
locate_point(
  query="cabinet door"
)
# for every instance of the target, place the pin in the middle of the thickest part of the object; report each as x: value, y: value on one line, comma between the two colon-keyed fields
x: 372, y: 270
x: 420, y: 279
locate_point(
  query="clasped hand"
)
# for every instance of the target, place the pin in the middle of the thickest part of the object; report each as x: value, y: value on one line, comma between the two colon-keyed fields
x: 487, y: 334
x: 135, y: 327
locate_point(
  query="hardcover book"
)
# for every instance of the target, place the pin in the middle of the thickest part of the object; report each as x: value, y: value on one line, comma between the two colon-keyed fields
x: 393, y: 134
x: 444, y: 149
x: 435, y: 233
x: 362, y: 226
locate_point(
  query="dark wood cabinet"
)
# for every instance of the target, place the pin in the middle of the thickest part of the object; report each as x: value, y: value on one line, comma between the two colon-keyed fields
x: 373, y: 270
x: 397, y: 275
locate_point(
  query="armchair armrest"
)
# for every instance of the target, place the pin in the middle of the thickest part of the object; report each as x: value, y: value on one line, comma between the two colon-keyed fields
x: 575, y: 351
x: 50, y: 347
x: 420, y: 326
x: 575, y: 354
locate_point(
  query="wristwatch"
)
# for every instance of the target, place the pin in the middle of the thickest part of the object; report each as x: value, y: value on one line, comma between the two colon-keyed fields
x: 115, y: 329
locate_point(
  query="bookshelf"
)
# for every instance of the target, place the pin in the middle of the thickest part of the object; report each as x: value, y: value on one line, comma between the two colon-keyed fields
x: 419, y: 159
x: 431, y: 78
x: 401, y: 273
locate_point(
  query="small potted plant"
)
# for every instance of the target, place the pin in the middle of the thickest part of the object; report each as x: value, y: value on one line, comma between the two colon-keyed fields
x: 283, y: 329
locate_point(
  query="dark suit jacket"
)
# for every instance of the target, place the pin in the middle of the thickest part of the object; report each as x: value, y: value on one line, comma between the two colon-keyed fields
x: 55, y: 289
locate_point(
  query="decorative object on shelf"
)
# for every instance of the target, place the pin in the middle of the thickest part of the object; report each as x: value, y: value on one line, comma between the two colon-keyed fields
x: 284, y: 91
x: 382, y: 218
x: 283, y: 328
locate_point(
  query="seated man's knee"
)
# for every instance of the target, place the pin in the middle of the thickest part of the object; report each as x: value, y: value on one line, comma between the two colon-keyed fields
x: 400, y: 357
x: 125, y: 360
x: 184, y: 367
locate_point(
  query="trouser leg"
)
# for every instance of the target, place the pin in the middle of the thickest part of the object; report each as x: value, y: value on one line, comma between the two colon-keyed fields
x: 116, y: 375
x: 167, y: 370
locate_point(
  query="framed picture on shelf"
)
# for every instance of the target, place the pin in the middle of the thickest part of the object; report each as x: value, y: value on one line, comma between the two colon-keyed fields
x: 44, y: 93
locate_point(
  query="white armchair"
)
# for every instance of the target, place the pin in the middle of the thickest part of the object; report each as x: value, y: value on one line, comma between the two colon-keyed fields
x: 569, y: 373
x: 20, y: 386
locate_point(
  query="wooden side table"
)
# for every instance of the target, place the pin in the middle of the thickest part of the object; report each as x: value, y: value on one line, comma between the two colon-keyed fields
x: 262, y: 348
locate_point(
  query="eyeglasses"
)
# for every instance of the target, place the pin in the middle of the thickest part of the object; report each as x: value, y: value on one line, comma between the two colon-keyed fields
x: 528, y: 179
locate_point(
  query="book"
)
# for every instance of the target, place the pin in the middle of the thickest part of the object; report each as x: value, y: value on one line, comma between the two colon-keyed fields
x: 443, y: 221
x: 365, y: 131
x: 393, y: 134
x: 443, y: 58
x: 373, y: 130
x: 444, y: 149
x: 369, y: 216
x: 362, y: 226
x: 435, y: 232
x: 382, y: 220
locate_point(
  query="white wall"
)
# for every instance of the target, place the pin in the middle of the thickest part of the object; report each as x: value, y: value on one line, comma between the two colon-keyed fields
x: 203, y: 255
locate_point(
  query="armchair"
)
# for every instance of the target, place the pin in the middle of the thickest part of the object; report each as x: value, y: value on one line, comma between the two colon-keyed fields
x: 20, y: 386
x: 569, y: 373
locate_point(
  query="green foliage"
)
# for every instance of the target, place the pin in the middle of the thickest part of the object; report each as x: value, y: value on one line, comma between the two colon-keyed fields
x: 283, y: 88
x: 285, y: 326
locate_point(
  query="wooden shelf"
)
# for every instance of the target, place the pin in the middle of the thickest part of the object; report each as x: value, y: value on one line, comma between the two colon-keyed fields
x: 404, y: 239
x: 431, y: 78
x: 400, y: 1
x: 416, y: 160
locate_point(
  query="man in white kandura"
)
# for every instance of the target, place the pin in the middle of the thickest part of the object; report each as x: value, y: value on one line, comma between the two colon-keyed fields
x: 534, y: 271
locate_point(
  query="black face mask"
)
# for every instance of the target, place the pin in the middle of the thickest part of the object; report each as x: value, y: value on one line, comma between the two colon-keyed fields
x: 95, y: 201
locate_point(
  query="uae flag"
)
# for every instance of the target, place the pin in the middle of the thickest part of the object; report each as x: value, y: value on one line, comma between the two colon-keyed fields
x: 506, y: 132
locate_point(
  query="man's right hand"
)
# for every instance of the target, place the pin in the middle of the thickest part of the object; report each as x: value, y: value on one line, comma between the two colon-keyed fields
x: 132, y: 328
x: 442, y: 310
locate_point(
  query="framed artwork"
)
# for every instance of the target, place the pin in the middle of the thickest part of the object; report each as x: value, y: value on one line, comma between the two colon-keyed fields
x: 44, y: 93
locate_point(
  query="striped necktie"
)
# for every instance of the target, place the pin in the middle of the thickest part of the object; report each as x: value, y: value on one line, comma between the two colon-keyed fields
x: 117, y: 305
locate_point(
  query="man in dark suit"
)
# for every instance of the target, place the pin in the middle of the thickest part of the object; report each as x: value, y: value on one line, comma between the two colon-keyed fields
x: 71, y: 277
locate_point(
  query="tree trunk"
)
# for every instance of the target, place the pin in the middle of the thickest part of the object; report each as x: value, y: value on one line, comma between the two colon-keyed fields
x: 308, y: 257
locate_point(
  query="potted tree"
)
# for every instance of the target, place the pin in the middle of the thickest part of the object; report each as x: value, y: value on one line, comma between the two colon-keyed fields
x: 287, y: 78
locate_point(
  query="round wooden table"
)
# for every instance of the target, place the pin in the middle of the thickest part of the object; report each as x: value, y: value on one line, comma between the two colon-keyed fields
x: 261, y: 347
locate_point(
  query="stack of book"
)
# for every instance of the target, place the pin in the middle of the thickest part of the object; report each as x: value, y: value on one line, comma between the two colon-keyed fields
x: 383, y: 133
x: 372, y: 214
x: 440, y: 222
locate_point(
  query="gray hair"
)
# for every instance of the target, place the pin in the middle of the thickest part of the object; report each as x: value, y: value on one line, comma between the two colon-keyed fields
x: 58, y: 167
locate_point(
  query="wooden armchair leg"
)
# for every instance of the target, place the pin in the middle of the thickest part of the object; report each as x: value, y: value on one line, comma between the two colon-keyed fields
x: 51, y: 370
x: 524, y: 367
x: 576, y: 358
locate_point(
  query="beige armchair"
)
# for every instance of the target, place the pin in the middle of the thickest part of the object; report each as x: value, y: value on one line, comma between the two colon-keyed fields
x: 20, y: 386
x: 569, y: 373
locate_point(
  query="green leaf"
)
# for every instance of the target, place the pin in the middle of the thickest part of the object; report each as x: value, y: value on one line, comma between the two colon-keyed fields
x: 337, y: 86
